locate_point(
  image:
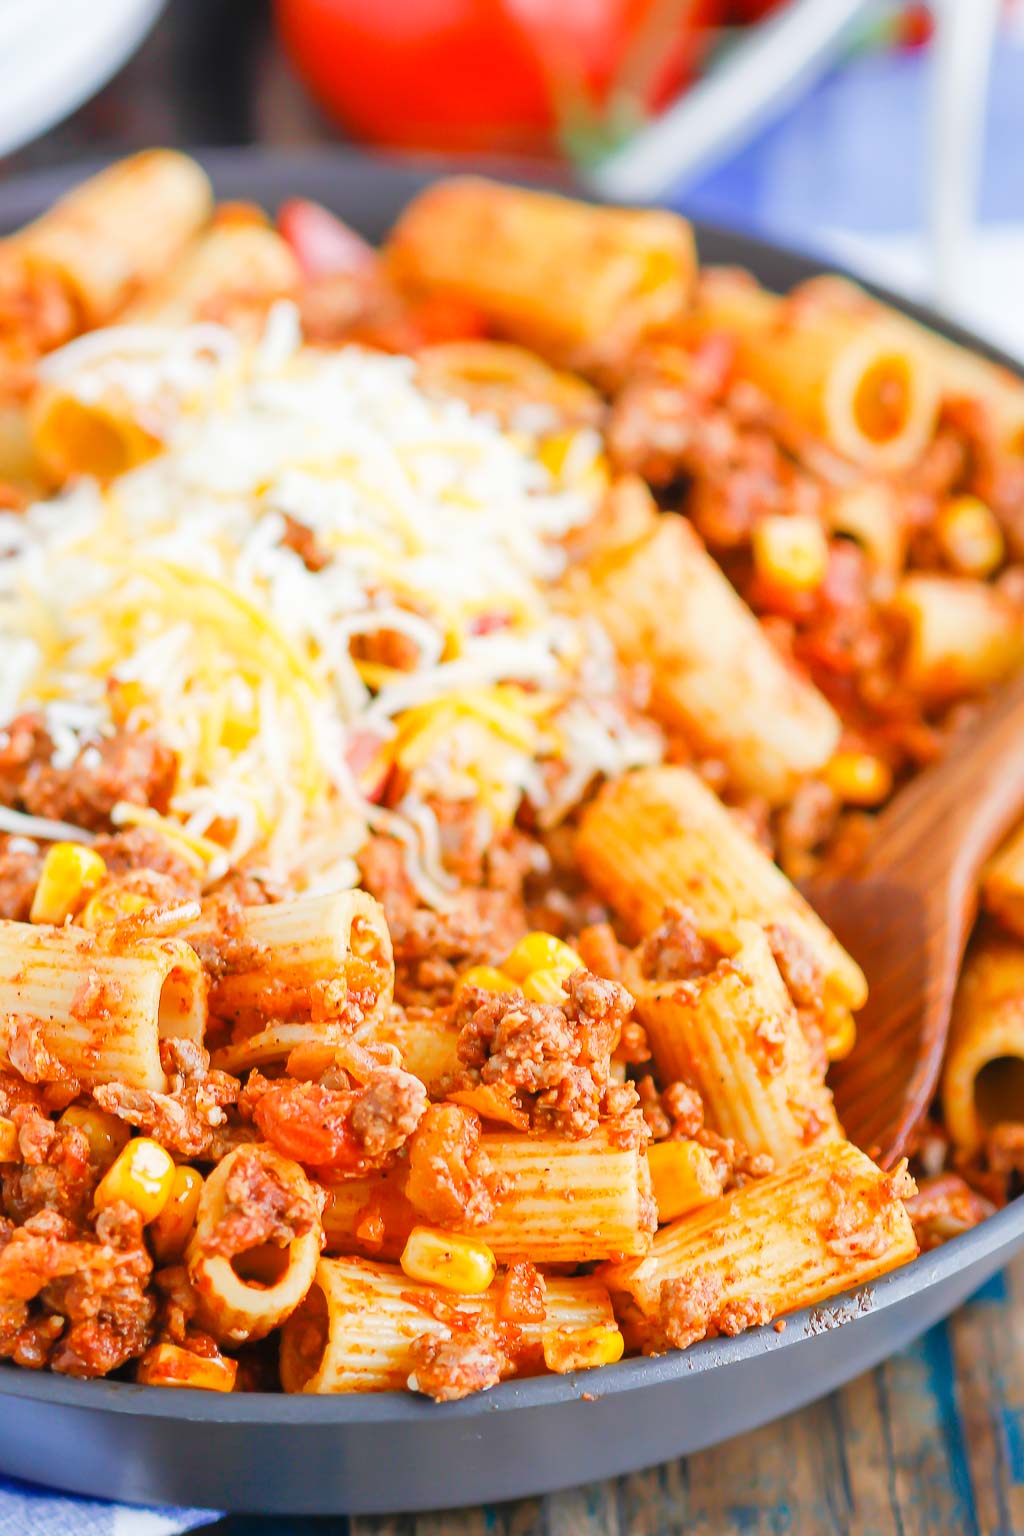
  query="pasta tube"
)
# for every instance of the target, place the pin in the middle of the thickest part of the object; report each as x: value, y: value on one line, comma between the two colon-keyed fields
x: 244, y: 1288
x: 114, y: 235
x: 983, y: 1078
x: 355, y: 1331
x: 659, y: 835
x: 961, y: 372
x: 427, y: 1041
x: 715, y: 674
x: 849, y: 378
x: 830, y: 1221
x: 964, y: 635
x: 564, y: 1202
x: 101, y: 1011
x: 1003, y: 884
x: 509, y: 382
x: 579, y: 284
x: 326, y: 955
x: 735, y: 1035
x: 101, y: 437
x: 234, y: 269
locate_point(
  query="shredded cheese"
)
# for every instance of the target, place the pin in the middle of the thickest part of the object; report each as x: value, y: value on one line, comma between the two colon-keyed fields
x: 174, y: 601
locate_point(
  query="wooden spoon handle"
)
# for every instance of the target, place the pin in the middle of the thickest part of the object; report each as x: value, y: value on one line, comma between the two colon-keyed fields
x: 968, y: 801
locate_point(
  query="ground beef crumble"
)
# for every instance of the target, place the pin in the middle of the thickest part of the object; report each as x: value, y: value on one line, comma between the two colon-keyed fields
x: 125, y: 766
x: 332, y: 1125
x: 260, y: 1206
x: 20, y: 869
x: 675, y: 950
x: 676, y: 1113
x: 221, y: 941
x: 135, y: 855
x: 185, y: 1117
x: 448, y: 1369
x: 77, y: 1303
x: 556, y: 1060
x: 944, y: 1207
x: 693, y: 1308
x: 857, y: 1226
x: 56, y: 1172
x: 480, y: 926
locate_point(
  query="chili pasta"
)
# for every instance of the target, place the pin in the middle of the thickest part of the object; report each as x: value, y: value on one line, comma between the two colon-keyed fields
x: 423, y: 685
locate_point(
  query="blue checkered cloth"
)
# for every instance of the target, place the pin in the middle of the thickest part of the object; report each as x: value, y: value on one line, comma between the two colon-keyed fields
x: 26, y: 1510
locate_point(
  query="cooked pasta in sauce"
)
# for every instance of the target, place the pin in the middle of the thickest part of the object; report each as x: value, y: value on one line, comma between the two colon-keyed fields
x: 421, y: 685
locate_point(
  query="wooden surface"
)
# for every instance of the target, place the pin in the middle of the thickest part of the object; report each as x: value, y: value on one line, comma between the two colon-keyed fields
x: 906, y: 911
x: 929, y: 1444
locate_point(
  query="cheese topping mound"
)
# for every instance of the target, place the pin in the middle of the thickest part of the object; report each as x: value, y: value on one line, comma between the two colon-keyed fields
x: 327, y: 582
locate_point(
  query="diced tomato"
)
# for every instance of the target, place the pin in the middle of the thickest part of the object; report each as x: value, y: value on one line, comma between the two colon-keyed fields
x: 442, y: 317
x: 310, y: 1124
x: 370, y: 766
x: 323, y: 245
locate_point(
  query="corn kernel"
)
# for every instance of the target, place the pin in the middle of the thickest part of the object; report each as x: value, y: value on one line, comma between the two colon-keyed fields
x: 859, y: 778
x: 168, y: 1365
x: 444, y: 1259
x: 171, y: 1229
x: 791, y: 552
x: 106, y: 1134
x: 112, y: 905
x: 578, y: 1349
x: 142, y: 1175
x: 683, y: 1177
x: 486, y: 976
x: 554, y: 451
x: 541, y: 952
x: 69, y: 876
x: 840, y: 1028
x: 10, y: 1150
x: 545, y: 986
x: 970, y: 536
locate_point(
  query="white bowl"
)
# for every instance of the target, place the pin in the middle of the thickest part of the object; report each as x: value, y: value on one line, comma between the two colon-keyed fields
x: 54, y: 54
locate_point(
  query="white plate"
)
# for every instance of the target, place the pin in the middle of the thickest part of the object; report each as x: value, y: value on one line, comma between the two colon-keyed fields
x: 54, y: 54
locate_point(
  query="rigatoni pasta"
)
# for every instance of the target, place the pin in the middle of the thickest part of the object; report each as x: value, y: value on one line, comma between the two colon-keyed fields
x: 93, y: 1012
x: 357, y: 1329
x: 829, y: 1222
x: 734, y: 1034
x: 98, y: 240
x: 578, y: 285
x: 984, y: 1073
x: 660, y: 835
x: 715, y: 675
x: 852, y: 381
x: 605, y: 1188
x: 256, y: 1244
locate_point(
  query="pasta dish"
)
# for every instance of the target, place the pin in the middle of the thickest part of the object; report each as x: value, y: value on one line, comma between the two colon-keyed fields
x: 426, y: 673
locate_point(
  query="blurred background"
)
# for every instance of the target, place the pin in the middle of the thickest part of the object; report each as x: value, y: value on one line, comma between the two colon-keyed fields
x: 887, y: 133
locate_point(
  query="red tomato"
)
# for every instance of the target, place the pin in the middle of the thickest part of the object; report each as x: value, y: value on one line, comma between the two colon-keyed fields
x: 744, y: 11
x: 489, y: 75
x: 310, y: 1124
x: 322, y: 244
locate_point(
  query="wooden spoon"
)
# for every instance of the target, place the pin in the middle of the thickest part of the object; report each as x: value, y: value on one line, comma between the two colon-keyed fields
x: 905, y: 914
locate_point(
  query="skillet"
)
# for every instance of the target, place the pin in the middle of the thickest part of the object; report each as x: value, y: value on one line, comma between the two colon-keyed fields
x: 393, y: 1452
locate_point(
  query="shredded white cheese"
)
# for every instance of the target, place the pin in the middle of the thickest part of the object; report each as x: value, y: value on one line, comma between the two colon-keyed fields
x: 171, y: 602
